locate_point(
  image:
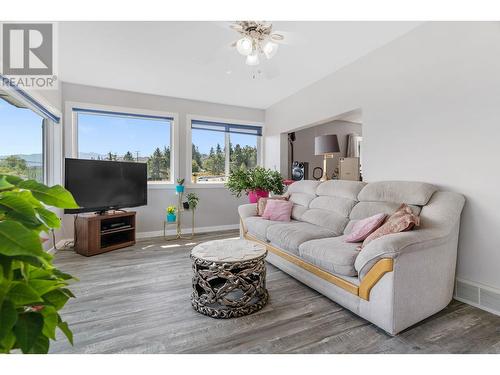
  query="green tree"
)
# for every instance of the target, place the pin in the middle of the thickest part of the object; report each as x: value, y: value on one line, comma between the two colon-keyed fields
x: 215, y: 163
x: 14, y: 162
x: 196, y: 155
x: 111, y: 156
x: 128, y: 156
x: 155, y: 165
x: 195, y: 167
x: 165, y: 163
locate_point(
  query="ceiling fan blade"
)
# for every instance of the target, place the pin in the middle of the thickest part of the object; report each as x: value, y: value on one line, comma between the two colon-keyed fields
x: 289, y: 37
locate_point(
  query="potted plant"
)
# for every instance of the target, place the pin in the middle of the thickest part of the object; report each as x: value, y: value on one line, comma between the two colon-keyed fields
x: 180, y: 185
x: 32, y: 290
x: 171, y: 214
x: 256, y: 183
x: 192, y: 200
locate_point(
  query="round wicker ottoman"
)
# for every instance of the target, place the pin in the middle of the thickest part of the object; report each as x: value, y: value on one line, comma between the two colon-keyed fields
x: 229, y: 278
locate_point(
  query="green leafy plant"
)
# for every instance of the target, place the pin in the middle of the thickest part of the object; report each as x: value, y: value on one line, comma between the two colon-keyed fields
x: 171, y: 210
x: 259, y: 178
x: 192, y: 199
x: 180, y: 181
x: 32, y: 290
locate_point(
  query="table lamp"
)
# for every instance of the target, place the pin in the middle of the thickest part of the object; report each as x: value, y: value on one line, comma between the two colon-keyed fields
x: 326, y: 145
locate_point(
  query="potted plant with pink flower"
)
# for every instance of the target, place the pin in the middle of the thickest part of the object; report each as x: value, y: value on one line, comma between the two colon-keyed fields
x: 256, y: 183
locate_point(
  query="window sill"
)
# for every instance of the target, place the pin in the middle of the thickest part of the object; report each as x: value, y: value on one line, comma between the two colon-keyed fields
x: 206, y: 186
x: 161, y: 185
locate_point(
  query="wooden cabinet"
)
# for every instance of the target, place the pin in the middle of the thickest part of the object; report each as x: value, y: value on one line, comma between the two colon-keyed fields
x: 96, y: 234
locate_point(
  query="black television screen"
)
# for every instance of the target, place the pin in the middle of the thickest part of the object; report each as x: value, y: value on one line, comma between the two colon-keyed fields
x: 99, y: 185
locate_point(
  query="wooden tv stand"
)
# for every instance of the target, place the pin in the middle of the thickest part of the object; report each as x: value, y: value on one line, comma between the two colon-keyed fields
x: 100, y: 233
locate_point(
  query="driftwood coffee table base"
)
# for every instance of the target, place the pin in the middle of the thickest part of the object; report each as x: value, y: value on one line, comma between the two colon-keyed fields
x: 229, y: 278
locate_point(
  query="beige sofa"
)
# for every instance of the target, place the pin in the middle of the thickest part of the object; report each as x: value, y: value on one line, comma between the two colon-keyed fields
x: 396, y: 280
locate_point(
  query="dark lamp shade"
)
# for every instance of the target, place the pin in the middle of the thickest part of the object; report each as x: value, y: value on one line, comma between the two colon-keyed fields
x: 326, y: 144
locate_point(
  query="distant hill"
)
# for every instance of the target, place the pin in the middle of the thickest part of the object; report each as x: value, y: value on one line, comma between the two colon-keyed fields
x: 31, y: 159
x: 36, y: 159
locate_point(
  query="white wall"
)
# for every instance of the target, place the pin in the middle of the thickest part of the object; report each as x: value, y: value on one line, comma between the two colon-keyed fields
x: 431, y: 112
x: 217, y: 206
x: 304, y: 143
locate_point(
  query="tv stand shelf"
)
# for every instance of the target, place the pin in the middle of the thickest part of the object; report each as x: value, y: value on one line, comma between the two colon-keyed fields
x: 100, y: 233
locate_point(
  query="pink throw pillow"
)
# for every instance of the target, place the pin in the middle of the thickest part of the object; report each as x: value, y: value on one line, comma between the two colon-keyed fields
x: 402, y: 220
x: 278, y: 210
x: 363, y: 228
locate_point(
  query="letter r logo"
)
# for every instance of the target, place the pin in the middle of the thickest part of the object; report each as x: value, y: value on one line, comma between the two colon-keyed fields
x: 27, y: 49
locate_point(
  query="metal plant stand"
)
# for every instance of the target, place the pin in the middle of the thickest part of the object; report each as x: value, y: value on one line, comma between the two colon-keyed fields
x: 177, y: 222
x: 229, y: 278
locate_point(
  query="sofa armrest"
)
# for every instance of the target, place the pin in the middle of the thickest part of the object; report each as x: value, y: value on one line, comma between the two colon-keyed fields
x: 440, y: 219
x: 247, y: 210
x: 392, y: 245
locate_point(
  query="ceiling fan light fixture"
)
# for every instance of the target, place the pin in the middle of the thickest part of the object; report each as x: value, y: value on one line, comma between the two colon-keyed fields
x: 270, y: 49
x: 253, y: 59
x: 244, y: 46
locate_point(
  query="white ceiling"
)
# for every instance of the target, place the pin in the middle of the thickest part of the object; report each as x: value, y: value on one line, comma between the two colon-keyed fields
x: 193, y: 60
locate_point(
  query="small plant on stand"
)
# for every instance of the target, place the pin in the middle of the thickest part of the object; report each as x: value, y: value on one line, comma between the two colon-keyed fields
x: 171, y: 214
x: 180, y: 185
x: 192, y: 200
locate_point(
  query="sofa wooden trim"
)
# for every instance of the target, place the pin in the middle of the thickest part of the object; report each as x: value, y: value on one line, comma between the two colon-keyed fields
x: 373, y: 276
x: 363, y: 291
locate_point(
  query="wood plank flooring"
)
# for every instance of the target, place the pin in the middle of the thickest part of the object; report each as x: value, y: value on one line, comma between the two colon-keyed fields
x: 137, y: 300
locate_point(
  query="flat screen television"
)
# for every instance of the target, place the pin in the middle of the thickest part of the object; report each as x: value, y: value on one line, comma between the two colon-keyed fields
x: 100, y: 185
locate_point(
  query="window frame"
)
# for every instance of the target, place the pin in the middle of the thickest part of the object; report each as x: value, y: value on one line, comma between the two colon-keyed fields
x: 35, y: 103
x: 72, y: 152
x: 189, y: 151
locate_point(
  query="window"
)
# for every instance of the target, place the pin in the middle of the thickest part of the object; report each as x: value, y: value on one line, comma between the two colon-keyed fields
x: 104, y: 135
x: 22, y: 146
x: 218, y: 148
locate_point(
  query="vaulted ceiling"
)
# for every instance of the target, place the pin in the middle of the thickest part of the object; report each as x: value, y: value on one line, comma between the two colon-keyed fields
x: 194, y: 60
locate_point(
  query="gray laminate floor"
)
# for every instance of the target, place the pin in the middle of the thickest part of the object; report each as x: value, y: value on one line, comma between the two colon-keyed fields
x: 136, y: 300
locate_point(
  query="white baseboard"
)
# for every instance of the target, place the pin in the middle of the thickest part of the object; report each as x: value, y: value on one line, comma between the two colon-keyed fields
x: 59, y: 245
x: 187, y: 231
x: 478, y: 295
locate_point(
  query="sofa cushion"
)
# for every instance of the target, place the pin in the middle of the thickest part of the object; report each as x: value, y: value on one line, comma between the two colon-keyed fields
x: 362, y: 210
x: 291, y: 235
x: 326, y: 219
x: 304, y: 186
x: 301, y: 193
x: 340, y: 205
x: 341, y: 188
x: 332, y: 205
x: 409, y: 192
x: 331, y: 254
x: 257, y: 226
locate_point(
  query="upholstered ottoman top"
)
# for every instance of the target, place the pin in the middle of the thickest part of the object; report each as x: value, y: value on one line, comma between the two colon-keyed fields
x: 228, y: 250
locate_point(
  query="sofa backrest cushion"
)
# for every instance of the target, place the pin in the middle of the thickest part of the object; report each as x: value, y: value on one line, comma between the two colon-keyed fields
x: 363, y: 210
x: 409, y: 192
x: 333, y: 204
x: 301, y: 193
x: 387, y: 196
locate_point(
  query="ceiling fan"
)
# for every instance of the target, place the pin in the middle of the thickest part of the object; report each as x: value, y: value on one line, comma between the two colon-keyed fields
x: 257, y: 39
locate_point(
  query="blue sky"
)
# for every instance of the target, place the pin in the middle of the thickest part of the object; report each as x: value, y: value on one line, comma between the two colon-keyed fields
x: 20, y: 129
x: 103, y: 134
